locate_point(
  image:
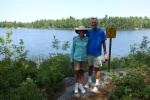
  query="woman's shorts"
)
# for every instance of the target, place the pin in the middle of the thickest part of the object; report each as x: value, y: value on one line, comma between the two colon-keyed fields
x: 96, y: 61
x: 80, y: 65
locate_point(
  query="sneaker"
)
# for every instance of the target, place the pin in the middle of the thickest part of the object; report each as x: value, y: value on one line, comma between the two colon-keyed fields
x: 81, y: 88
x: 87, y: 85
x: 76, y: 88
x: 95, y: 90
x: 97, y: 84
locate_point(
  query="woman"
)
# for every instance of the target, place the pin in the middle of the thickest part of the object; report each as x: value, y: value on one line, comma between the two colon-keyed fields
x: 78, y: 57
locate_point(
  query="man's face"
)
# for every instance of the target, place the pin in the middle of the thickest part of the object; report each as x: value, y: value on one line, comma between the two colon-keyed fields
x: 94, y: 24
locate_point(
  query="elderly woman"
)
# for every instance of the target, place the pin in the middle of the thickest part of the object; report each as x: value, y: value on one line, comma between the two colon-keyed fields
x: 78, y: 57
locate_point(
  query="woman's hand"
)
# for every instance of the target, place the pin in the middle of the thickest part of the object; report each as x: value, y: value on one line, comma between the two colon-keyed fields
x: 72, y: 64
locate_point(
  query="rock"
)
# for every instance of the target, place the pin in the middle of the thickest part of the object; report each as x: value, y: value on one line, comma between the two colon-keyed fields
x: 68, y: 84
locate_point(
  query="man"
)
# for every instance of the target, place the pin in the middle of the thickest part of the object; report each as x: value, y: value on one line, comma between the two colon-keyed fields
x: 97, y: 38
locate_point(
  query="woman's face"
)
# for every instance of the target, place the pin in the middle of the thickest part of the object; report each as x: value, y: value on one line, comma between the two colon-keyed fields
x: 81, y: 33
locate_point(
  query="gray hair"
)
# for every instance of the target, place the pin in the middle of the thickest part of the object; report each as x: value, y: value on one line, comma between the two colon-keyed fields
x: 94, y: 18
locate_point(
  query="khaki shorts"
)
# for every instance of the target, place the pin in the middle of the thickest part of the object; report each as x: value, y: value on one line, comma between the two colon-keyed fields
x: 80, y: 65
x: 96, y: 61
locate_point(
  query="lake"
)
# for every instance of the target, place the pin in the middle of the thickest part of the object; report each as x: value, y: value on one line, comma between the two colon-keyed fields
x: 39, y: 41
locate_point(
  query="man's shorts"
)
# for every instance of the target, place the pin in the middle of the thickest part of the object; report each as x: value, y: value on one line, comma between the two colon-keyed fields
x: 96, y: 61
x: 80, y: 65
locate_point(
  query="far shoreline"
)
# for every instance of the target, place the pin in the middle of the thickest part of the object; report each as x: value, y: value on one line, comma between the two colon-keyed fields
x: 69, y: 28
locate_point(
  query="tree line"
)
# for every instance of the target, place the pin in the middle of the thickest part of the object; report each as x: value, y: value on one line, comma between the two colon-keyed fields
x: 123, y: 23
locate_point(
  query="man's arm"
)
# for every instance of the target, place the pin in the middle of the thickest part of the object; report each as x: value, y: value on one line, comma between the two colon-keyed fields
x: 104, y: 49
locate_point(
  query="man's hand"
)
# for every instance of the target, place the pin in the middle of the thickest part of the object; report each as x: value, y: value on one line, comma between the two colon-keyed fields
x: 105, y: 57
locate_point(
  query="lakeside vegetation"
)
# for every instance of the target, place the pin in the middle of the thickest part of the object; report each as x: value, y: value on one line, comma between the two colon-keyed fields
x: 24, y: 79
x: 121, y: 23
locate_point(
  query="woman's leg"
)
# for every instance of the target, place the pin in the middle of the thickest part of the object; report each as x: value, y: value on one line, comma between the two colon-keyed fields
x: 81, y: 77
x: 76, y: 76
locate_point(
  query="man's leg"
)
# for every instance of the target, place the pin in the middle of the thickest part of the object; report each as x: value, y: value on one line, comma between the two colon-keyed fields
x: 90, y: 72
x: 97, y: 64
x: 97, y: 75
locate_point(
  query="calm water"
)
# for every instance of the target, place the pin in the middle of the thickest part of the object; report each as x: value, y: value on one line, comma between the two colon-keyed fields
x: 38, y: 41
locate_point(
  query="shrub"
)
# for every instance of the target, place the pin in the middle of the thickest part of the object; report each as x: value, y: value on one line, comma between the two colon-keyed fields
x: 53, y: 71
x: 132, y: 86
x: 14, y: 70
x: 26, y: 91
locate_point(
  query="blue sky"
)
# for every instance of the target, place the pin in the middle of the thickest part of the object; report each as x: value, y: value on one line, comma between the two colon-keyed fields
x: 32, y: 10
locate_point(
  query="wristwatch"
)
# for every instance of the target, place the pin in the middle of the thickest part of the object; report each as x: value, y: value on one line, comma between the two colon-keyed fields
x: 105, y: 52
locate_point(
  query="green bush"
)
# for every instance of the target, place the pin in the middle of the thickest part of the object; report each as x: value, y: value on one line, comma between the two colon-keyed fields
x: 132, y: 85
x: 14, y: 70
x: 53, y: 71
x: 26, y: 91
x: 135, y: 85
x: 19, y: 76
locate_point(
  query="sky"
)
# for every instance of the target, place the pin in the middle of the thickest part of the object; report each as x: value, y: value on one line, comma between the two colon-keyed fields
x: 32, y: 10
